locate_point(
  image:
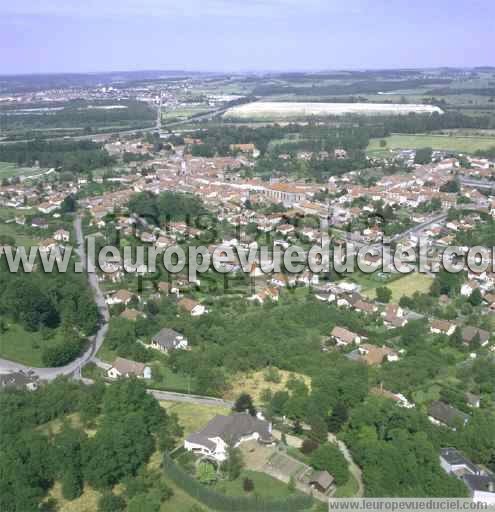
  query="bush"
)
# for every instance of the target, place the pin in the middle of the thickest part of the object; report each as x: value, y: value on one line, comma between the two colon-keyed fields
x: 248, y: 485
x: 329, y: 458
x: 110, y: 503
x: 309, y: 446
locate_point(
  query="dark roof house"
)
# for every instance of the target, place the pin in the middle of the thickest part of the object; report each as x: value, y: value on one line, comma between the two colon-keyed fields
x: 445, y: 414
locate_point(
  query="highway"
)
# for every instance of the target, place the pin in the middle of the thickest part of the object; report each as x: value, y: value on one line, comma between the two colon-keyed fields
x: 106, y: 135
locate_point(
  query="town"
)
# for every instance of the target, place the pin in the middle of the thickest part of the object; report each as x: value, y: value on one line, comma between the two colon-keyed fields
x: 258, y: 390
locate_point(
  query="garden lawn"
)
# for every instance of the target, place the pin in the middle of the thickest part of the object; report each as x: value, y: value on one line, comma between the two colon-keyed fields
x: 264, y: 486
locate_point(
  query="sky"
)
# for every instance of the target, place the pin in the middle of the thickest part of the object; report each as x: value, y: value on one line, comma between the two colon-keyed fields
x: 44, y: 36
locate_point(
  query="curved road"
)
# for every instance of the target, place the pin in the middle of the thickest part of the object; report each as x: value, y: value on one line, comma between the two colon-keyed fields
x: 73, y: 368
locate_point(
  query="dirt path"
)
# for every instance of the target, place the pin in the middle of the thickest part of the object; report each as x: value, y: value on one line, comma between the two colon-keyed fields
x: 353, y: 467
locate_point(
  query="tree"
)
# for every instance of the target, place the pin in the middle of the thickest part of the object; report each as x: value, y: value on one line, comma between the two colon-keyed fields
x: 297, y: 428
x: 149, y: 502
x: 72, y: 483
x: 234, y: 463
x: 451, y: 187
x: 109, y: 502
x: 328, y: 457
x: 475, y: 299
x: 272, y: 375
x: 291, y: 486
x: 245, y: 404
x: 383, y: 294
x: 69, y: 204
x: 248, y: 485
x: 338, y: 417
x: 423, y: 156
x: 319, y: 429
x: 308, y: 446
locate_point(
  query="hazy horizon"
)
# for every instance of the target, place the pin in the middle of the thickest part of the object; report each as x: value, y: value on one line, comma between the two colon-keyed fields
x: 231, y: 36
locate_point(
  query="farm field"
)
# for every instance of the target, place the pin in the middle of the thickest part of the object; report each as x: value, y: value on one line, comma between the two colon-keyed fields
x: 295, y: 110
x: 461, y: 143
x: 8, y: 170
x: 405, y: 286
x: 21, y: 240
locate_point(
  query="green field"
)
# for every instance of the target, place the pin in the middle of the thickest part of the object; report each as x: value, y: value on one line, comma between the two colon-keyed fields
x: 20, y: 239
x: 194, y: 417
x: 264, y: 486
x: 25, y: 347
x: 404, y: 286
x: 463, y: 144
x: 8, y: 169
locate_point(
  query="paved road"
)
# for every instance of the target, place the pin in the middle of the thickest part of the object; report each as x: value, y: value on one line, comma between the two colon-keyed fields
x: 106, y: 135
x: 168, y: 396
x: 74, y: 368
x: 480, y: 184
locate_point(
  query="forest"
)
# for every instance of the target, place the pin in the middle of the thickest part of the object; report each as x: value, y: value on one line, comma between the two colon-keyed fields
x: 43, y: 302
x: 127, y: 426
x: 71, y: 156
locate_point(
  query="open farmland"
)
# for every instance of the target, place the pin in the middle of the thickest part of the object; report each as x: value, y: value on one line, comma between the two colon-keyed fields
x: 466, y: 144
x: 294, y: 110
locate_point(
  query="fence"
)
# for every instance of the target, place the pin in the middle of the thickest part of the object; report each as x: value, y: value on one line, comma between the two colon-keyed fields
x: 224, y: 503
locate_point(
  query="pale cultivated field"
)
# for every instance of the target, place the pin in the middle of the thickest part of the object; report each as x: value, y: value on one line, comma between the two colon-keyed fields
x: 254, y: 383
x: 284, y: 110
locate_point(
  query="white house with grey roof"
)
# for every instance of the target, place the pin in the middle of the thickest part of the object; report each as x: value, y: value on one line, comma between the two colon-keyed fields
x: 223, y: 432
x: 167, y: 340
x: 481, y: 483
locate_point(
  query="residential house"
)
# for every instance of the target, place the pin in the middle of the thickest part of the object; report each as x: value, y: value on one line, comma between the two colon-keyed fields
x: 61, y: 235
x: 365, y: 307
x: 398, y: 398
x: 442, y: 327
x: 120, y: 297
x: 39, y: 223
x: 131, y: 314
x: 440, y: 413
x: 167, y: 340
x: 468, y: 288
x: 470, y: 334
x: 126, y: 368
x: 192, y: 307
x: 285, y: 229
x: 321, y: 481
x: 481, y: 484
x: 18, y: 380
x: 267, y: 293
x: 393, y: 316
x: 373, y: 355
x: 472, y: 400
x: 223, y: 432
x: 344, y: 337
